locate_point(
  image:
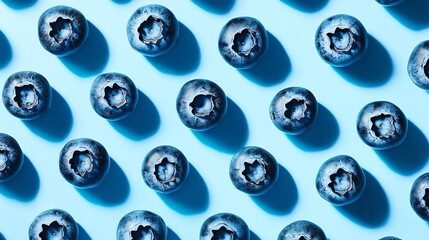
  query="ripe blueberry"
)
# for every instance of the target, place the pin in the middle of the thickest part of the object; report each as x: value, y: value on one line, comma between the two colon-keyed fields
x: 419, y: 196
x: 224, y: 226
x: 141, y: 224
x: 53, y: 224
x: 390, y: 238
x: 418, y: 65
x: 11, y: 157
x: 302, y: 230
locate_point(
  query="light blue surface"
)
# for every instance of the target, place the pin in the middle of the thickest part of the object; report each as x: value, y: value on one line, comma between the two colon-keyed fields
x: 292, y: 60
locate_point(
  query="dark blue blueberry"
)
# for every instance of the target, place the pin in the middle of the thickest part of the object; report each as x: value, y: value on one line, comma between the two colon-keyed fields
x: 243, y: 41
x: 11, y: 157
x: 382, y: 125
x: 27, y: 95
x: 253, y: 170
x: 389, y: 3
x: 419, y: 196
x: 390, y: 238
x: 302, y: 230
x: 340, y: 180
x: 113, y: 96
x: 165, y: 169
x: 141, y: 225
x: 201, y: 104
x: 62, y: 30
x: 293, y: 110
x: 224, y: 226
x: 53, y: 224
x: 84, y: 162
x: 152, y: 30
x: 418, y: 65
x: 341, y: 40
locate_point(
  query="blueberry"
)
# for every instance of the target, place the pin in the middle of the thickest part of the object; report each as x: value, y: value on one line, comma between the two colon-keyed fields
x: 243, y: 41
x: 340, y: 180
x: 224, y: 226
x: 419, y: 196
x: 293, y: 110
x: 84, y: 163
x: 141, y: 224
x: 27, y: 95
x: 390, y: 238
x: 341, y: 40
x: 165, y: 169
x: 152, y: 30
x: 253, y: 170
x: 389, y: 3
x: 53, y: 224
x: 113, y: 96
x: 201, y: 104
x: 62, y: 30
x: 382, y: 125
x: 302, y: 230
x: 418, y: 65
x: 11, y: 157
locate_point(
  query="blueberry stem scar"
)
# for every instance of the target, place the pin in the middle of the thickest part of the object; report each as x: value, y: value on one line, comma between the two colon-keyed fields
x: 165, y: 171
x: 52, y: 230
x: 142, y: 231
x: 116, y: 96
x: 337, y: 38
x: 337, y: 182
x: 223, y: 232
x: 254, y: 172
x: 3, y: 159
x: 26, y: 96
x: 61, y: 29
x: 426, y: 197
x: 81, y: 162
x: 202, y: 105
x: 150, y: 30
x: 240, y: 42
x: 425, y: 67
x: 295, y: 109
x: 382, y: 125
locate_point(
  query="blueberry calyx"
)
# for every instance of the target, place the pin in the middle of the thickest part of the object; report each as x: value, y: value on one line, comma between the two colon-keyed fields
x: 426, y: 67
x: 295, y: 109
x: 3, y: 158
x: 81, y: 162
x: 304, y: 238
x: 426, y: 197
x: 61, y: 29
x: 165, y: 171
x: 150, y: 30
x: 382, y: 125
x: 52, y: 231
x: 341, y: 40
x: 244, y: 41
x: 202, y: 105
x: 223, y: 232
x: 26, y: 96
x: 141, y: 232
x: 341, y: 182
x: 115, y: 95
x: 254, y: 172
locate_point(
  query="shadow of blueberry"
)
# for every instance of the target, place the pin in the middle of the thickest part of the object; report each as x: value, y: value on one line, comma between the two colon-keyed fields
x: 282, y: 198
x: 121, y: 1
x: 92, y: 57
x: 83, y: 235
x: 253, y: 236
x: 192, y: 197
x: 372, y: 208
x: 24, y: 186
x: 171, y: 235
x: 19, y: 4
x: 140, y: 124
x: 113, y: 191
x: 307, y: 6
x: 215, y: 6
x: 5, y: 51
x: 230, y: 135
x: 273, y: 68
x: 183, y: 58
x: 373, y: 70
x: 56, y: 124
x: 2, y: 237
x: 399, y: 158
x: 322, y: 135
x: 412, y: 14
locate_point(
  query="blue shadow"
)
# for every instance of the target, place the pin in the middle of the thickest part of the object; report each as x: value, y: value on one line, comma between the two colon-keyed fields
x: 273, y: 68
x: 215, y: 6
x: 121, y: 1
x: 282, y: 198
x: 307, y: 6
x: 412, y: 14
x: 409, y: 157
x: 19, y: 4
x: 92, y: 58
x: 5, y: 51
x: 230, y: 135
x: 83, y: 235
x: 25, y: 185
x: 2, y: 237
x: 56, y: 124
x: 114, y: 189
x: 373, y: 70
x: 253, y: 236
x: 322, y: 135
x: 171, y: 235
x: 183, y: 58
x: 192, y: 197
x: 372, y: 208
x: 140, y: 124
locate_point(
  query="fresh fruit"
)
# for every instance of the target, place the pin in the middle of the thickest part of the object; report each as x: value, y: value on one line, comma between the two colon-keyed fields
x: 53, y: 224
x: 418, y: 65
x: 419, y: 196
x: 141, y: 224
x: 224, y: 226
x: 302, y: 230
x: 11, y: 157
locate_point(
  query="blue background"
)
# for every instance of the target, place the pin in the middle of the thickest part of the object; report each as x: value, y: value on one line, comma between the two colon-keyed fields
x: 291, y: 60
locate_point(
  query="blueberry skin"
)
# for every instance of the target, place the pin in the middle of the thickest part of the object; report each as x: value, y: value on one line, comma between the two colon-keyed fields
x: 293, y: 110
x: 84, y: 163
x: 390, y: 238
x: 243, y: 41
x: 419, y: 196
x: 224, y: 226
x: 341, y: 40
x: 302, y: 229
x: 27, y: 95
x: 389, y: 3
x: 382, y: 125
x: 152, y: 30
x: 418, y: 65
x: 51, y: 224
x: 62, y: 30
x: 253, y: 170
x: 165, y: 169
x: 11, y: 157
x: 141, y: 224
x: 201, y: 104
x: 113, y: 96
x: 340, y: 180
